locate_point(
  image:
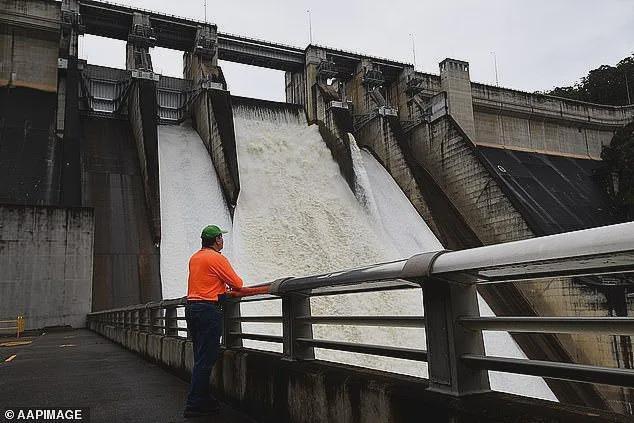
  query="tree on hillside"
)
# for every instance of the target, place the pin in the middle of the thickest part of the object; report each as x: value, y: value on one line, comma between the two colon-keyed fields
x: 619, y: 158
x: 604, y: 85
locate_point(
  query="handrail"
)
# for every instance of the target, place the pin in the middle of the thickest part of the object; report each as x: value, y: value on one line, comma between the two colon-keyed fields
x: 457, y: 362
x: 608, y: 249
x: 566, y: 371
x: 597, y: 325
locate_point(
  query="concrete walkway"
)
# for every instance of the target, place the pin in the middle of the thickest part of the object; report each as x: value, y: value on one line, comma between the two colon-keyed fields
x: 78, y: 368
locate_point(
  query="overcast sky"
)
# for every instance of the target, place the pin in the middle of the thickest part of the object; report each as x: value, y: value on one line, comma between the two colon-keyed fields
x: 538, y: 44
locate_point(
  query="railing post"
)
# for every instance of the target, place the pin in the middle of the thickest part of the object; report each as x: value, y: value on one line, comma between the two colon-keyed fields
x: 447, y: 340
x: 135, y: 320
x: 171, y: 322
x: 231, y: 324
x: 143, y: 319
x: 155, y: 313
x: 20, y: 326
x: 293, y: 306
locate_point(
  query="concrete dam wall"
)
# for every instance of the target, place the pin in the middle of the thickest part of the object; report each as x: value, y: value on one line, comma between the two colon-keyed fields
x: 30, y: 154
x: 126, y: 268
x: 46, y: 257
x: 29, y: 46
x: 501, y: 202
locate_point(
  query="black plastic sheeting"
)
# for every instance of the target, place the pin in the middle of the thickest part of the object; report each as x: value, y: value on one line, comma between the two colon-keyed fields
x: 555, y: 194
x: 126, y: 262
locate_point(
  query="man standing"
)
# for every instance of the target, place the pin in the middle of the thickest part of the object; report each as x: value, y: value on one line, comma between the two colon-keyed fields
x: 209, y: 275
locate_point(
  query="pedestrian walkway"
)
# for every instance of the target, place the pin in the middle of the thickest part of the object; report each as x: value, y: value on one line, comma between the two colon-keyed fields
x: 78, y: 368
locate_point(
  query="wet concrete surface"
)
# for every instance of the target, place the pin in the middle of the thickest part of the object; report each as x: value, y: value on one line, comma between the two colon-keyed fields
x: 78, y: 368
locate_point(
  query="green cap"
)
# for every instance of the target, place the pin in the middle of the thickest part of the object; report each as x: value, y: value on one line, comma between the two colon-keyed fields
x: 211, y: 231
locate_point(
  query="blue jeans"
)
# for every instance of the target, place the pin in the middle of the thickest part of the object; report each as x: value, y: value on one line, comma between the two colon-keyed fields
x: 204, y: 322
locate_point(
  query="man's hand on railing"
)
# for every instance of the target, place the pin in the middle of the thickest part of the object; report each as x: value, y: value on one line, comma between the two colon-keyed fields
x: 247, y: 291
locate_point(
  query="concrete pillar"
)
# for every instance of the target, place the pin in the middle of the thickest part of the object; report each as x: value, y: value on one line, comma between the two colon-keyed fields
x: 301, y: 85
x: 211, y: 110
x: 400, y: 94
x: 71, y: 28
x: 142, y: 113
x: 201, y: 64
x: 140, y: 40
x: 357, y: 91
x: 295, y: 87
x: 314, y: 57
x: 29, y: 39
x: 366, y: 88
x: 455, y: 81
x: 67, y: 124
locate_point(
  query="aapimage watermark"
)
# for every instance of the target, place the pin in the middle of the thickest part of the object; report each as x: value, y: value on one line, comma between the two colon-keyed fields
x: 46, y: 414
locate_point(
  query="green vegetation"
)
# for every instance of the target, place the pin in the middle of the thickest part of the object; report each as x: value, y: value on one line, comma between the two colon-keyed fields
x: 603, y: 85
x: 613, y: 85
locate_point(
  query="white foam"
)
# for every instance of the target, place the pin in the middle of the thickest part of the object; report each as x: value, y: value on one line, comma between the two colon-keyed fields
x: 191, y: 198
x: 411, y: 234
x: 296, y: 216
x: 406, y: 229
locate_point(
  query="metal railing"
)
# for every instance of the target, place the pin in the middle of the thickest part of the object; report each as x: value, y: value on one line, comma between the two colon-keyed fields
x: 17, y: 325
x: 158, y: 317
x: 457, y: 363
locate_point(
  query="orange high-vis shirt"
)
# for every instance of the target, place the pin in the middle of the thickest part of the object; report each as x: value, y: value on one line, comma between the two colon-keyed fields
x: 209, y: 274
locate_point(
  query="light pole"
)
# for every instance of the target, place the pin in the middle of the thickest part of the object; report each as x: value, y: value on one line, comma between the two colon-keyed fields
x: 310, y: 27
x: 495, y: 64
x: 627, y: 88
x: 413, y: 49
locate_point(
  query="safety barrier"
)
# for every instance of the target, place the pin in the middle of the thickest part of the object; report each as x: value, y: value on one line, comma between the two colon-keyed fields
x: 18, y: 325
x: 457, y: 363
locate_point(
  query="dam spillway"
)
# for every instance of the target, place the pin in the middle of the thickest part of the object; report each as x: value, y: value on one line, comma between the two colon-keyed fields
x: 297, y: 216
x: 480, y: 164
x: 191, y: 199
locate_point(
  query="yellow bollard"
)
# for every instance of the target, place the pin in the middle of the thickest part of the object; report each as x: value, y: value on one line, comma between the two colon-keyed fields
x: 20, y: 326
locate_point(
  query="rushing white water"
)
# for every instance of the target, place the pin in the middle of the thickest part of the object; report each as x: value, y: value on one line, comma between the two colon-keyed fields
x: 191, y: 198
x: 296, y: 216
x: 392, y: 209
x: 409, y: 231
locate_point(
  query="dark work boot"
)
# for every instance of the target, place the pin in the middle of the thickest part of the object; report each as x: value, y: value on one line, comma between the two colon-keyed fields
x: 211, y: 408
